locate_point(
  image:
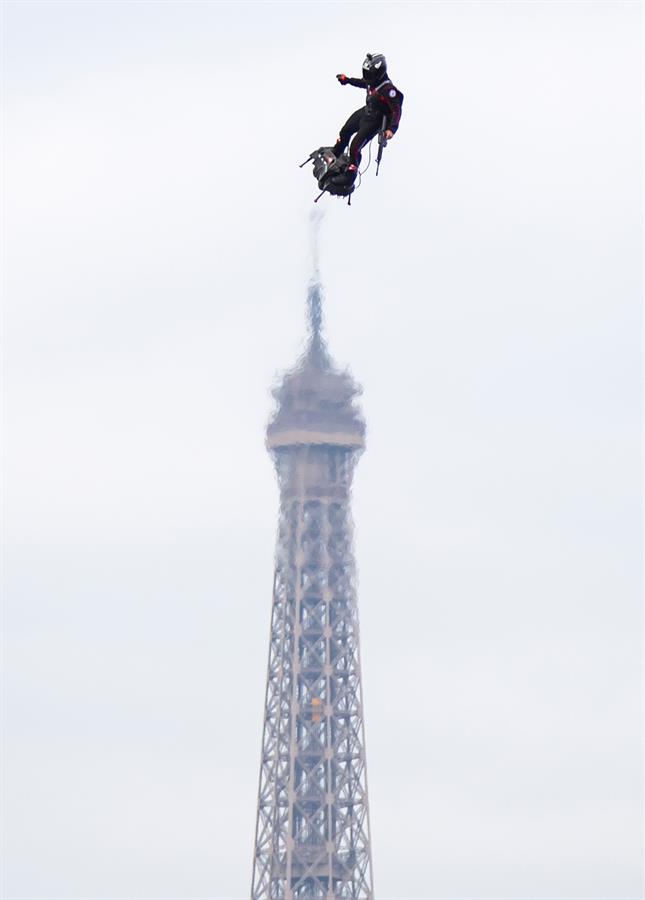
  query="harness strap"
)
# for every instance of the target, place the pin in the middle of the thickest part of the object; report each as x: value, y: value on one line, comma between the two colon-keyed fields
x: 373, y: 90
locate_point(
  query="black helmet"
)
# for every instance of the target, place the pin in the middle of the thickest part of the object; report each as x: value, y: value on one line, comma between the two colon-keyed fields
x: 374, y: 68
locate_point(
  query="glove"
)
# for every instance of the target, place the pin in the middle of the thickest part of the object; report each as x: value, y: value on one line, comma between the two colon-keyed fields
x: 342, y: 78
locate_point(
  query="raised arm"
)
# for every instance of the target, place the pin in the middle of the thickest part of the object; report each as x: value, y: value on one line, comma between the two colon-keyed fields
x: 355, y: 82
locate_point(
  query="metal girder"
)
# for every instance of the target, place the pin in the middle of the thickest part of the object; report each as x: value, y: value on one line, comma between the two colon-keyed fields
x: 312, y: 834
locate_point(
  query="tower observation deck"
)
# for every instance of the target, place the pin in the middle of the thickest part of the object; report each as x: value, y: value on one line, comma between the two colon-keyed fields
x: 312, y: 833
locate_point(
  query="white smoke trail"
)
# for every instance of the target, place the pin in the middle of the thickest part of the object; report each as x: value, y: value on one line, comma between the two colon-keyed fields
x: 316, y: 217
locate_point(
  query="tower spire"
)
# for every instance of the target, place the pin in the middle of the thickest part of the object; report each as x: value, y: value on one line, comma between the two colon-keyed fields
x: 317, y: 348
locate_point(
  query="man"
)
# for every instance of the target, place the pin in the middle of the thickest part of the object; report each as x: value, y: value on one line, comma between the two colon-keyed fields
x: 383, y: 100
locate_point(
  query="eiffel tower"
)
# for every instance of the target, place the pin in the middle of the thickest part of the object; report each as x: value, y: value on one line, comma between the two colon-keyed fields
x: 312, y: 834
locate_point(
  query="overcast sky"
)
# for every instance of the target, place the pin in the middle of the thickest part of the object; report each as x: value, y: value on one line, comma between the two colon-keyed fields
x: 485, y: 290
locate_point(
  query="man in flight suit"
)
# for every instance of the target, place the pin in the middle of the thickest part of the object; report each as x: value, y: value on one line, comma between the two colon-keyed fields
x: 384, y: 100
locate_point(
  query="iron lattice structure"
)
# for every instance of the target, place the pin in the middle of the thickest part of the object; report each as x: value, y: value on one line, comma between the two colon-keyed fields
x: 312, y: 834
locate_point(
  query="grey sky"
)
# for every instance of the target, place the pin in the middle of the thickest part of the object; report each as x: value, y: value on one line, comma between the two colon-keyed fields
x: 485, y: 290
